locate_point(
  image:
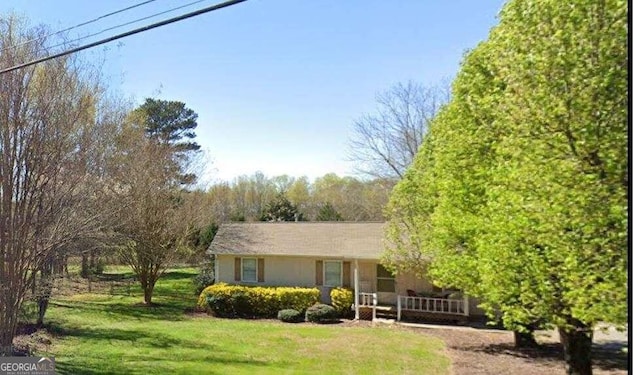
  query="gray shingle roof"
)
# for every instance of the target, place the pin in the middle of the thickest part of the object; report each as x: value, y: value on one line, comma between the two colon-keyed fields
x: 335, y: 239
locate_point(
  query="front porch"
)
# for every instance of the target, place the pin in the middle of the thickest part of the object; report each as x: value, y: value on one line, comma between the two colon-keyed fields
x: 380, y: 294
x: 366, y: 306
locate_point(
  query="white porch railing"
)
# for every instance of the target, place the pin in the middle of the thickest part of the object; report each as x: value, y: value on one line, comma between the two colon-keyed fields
x: 433, y: 305
x: 368, y: 299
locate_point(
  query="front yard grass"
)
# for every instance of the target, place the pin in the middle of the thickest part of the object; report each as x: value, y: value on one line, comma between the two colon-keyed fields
x: 111, y: 333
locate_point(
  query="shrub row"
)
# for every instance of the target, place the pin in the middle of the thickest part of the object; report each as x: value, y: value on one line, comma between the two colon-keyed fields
x: 232, y: 301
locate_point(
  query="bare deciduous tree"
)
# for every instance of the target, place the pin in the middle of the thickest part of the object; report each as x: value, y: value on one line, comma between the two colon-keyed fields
x: 156, y: 220
x: 47, y: 114
x: 384, y: 143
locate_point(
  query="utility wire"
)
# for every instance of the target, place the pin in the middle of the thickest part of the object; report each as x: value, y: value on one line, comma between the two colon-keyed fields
x: 123, y: 35
x: 78, y: 25
x: 127, y: 23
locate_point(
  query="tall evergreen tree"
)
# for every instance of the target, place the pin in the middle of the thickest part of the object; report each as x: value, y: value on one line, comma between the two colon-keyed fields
x: 173, y: 124
x: 281, y: 209
x: 328, y: 213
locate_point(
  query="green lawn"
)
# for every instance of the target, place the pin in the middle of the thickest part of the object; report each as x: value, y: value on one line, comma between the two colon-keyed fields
x: 109, y: 333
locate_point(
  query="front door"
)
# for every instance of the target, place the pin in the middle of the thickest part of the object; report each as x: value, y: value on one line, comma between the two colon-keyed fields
x: 385, y: 286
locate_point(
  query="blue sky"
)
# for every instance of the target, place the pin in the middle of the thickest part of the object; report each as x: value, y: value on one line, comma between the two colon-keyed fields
x: 277, y: 84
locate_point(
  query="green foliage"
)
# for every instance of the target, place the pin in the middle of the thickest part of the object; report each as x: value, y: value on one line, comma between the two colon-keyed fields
x: 170, y: 122
x: 321, y: 313
x: 204, y: 278
x: 28, y: 312
x: 519, y: 195
x: 342, y: 299
x: 206, y: 235
x: 249, y: 302
x: 290, y: 316
x: 199, y: 239
x: 328, y: 213
x: 98, y: 267
x: 281, y: 209
x: 246, y: 197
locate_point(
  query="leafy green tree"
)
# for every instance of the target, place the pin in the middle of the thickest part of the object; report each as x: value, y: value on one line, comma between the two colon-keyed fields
x: 281, y: 209
x: 521, y: 198
x: 328, y: 213
x: 299, y: 194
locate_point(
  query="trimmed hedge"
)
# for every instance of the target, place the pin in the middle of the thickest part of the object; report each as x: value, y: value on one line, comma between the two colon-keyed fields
x: 321, y: 313
x: 237, y: 301
x: 290, y: 316
x: 342, y: 299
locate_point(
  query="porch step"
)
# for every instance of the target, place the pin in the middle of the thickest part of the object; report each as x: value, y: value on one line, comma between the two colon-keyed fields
x: 386, y: 312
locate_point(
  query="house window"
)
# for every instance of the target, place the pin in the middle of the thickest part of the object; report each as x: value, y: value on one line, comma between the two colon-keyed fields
x: 332, y: 273
x: 250, y: 270
x: 386, y: 281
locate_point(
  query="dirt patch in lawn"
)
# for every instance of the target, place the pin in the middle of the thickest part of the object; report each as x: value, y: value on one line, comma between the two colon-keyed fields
x: 482, y: 352
x: 31, y: 339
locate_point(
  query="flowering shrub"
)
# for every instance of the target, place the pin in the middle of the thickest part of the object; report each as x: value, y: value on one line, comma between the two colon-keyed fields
x: 342, y: 300
x: 254, y: 301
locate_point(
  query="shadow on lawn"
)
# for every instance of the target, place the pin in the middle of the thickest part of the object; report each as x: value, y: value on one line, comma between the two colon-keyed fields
x: 177, y: 275
x: 133, y: 336
x: 118, y: 367
x: 111, y: 363
x: 160, y: 311
x: 605, y: 356
x: 173, y: 295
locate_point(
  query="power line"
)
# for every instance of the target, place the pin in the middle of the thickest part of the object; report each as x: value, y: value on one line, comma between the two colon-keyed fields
x: 78, y: 25
x: 127, y: 23
x: 123, y: 35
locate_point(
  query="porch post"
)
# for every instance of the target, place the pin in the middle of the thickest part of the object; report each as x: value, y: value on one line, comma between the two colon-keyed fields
x: 375, y: 304
x: 399, y: 308
x: 466, y: 305
x: 216, y: 269
x: 356, y: 287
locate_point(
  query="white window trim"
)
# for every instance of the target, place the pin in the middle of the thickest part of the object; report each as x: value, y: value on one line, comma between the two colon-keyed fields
x: 324, y: 273
x: 385, y: 278
x: 242, y: 270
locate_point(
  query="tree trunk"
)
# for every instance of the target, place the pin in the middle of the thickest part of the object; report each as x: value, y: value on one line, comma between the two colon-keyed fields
x: 65, y: 266
x: 92, y: 261
x: 524, y: 339
x: 6, y: 342
x: 8, y: 326
x: 148, y: 293
x: 33, y: 283
x: 44, y: 292
x: 43, y: 304
x: 576, y: 343
x: 84, y: 272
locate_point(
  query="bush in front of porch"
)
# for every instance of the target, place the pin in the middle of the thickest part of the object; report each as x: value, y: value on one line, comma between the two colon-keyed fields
x: 342, y: 300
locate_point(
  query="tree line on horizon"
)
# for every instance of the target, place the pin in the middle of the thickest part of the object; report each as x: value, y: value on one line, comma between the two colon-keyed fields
x: 286, y: 198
